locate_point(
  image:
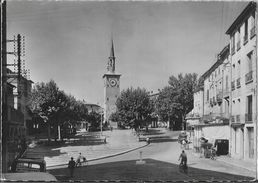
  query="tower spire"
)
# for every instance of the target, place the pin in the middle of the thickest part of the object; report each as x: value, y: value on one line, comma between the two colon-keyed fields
x: 112, y: 52
x: 111, y: 62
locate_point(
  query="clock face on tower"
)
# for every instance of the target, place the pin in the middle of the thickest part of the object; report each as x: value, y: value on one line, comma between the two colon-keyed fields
x: 112, y: 82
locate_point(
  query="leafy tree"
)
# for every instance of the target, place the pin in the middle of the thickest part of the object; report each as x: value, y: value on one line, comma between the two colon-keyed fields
x: 44, y: 102
x: 176, y: 100
x: 55, y: 107
x: 95, y: 119
x: 134, y: 107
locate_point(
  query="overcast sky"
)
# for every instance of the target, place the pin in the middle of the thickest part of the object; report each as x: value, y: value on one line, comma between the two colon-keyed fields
x: 70, y: 41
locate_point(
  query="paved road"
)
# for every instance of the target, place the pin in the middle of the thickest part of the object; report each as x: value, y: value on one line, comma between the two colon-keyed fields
x: 170, y: 151
x: 161, y: 164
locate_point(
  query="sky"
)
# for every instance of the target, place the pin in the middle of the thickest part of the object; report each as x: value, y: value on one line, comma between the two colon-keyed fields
x: 70, y: 41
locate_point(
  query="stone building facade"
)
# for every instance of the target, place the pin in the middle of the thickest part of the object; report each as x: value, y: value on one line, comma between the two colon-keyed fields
x: 243, y: 64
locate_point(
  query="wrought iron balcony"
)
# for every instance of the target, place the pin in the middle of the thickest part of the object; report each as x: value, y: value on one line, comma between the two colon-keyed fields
x: 233, y: 119
x: 219, y: 97
x: 249, y: 118
x: 211, y: 102
x: 238, y: 45
x: 226, y: 92
x: 214, y: 101
x: 249, y: 77
x: 245, y: 39
x: 233, y: 85
x: 238, y: 83
x: 252, y: 32
x: 238, y: 118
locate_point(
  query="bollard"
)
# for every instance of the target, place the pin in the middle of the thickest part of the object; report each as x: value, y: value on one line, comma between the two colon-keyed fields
x: 140, y: 162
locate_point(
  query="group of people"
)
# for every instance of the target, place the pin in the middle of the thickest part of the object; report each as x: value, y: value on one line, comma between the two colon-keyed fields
x: 72, y: 164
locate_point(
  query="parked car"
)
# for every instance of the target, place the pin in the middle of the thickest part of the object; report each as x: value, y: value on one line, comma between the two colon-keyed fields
x: 28, y: 165
x: 29, y: 176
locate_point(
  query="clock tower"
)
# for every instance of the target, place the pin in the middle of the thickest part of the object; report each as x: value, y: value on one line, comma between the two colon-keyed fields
x: 111, y: 86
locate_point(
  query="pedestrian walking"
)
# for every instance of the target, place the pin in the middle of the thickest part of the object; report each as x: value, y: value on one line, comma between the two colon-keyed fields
x: 78, y: 161
x: 148, y: 140
x: 183, y: 158
x: 71, y: 166
x: 183, y: 163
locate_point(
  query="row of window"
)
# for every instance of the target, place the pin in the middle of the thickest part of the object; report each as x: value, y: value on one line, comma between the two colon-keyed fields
x: 237, y: 83
x: 244, y: 32
x: 249, y: 109
x: 215, y: 73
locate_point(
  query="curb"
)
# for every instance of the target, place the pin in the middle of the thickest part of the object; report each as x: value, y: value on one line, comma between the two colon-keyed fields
x: 237, y: 165
x: 103, y: 157
x: 230, y: 163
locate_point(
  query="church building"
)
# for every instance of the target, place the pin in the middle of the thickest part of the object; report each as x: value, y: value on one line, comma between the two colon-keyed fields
x: 111, y: 87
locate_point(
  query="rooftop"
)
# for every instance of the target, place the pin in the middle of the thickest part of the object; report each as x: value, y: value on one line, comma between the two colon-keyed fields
x: 241, y: 18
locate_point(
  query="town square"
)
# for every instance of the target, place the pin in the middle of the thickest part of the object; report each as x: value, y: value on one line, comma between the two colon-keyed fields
x: 129, y: 91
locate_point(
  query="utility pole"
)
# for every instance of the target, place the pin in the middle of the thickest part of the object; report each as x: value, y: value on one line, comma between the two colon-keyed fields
x: 3, y: 144
x: 256, y: 90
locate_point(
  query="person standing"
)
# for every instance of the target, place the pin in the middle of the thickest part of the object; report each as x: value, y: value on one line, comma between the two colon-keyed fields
x: 71, y: 166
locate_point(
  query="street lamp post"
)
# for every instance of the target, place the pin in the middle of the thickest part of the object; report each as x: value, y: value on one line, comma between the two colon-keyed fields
x: 101, y: 122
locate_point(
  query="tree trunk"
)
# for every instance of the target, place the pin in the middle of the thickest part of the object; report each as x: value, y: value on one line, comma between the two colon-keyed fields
x: 48, y: 131
x: 183, y: 122
x: 59, y: 132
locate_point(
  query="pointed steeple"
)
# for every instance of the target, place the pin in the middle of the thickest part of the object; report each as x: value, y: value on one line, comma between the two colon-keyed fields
x: 111, y: 62
x: 112, y: 52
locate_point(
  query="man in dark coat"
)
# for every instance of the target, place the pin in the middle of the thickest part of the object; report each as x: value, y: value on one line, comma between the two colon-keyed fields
x: 71, y: 166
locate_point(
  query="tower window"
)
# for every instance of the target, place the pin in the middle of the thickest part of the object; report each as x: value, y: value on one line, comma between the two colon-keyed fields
x: 107, y: 99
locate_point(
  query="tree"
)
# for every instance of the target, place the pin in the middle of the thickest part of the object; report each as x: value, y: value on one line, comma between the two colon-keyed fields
x: 55, y: 107
x: 134, y: 107
x: 176, y: 100
x: 44, y: 102
x: 95, y: 119
x: 164, y: 103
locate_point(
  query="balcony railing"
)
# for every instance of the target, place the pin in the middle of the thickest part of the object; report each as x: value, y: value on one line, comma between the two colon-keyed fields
x: 238, y: 83
x: 193, y: 115
x: 248, y: 118
x: 245, y: 39
x: 233, y: 50
x: 211, y: 102
x: 226, y: 92
x: 233, y: 85
x: 249, y: 77
x: 219, y: 97
x: 214, y: 100
x: 238, y: 45
x: 252, y: 32
x: 233, y: 119
x: 238, y: 118
x: 213, y: 116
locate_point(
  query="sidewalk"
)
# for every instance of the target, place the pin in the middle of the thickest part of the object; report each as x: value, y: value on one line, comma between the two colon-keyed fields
x: 243, y: 164
x: 248, y: 165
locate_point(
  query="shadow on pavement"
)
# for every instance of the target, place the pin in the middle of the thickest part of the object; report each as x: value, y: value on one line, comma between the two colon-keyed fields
x: 153, y: 132
x: 50, y: 153
x: 162, y: 139
x: 150, y: 171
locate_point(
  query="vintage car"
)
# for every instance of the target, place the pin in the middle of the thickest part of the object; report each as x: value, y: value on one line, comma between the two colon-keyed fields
x: 28, y: 165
